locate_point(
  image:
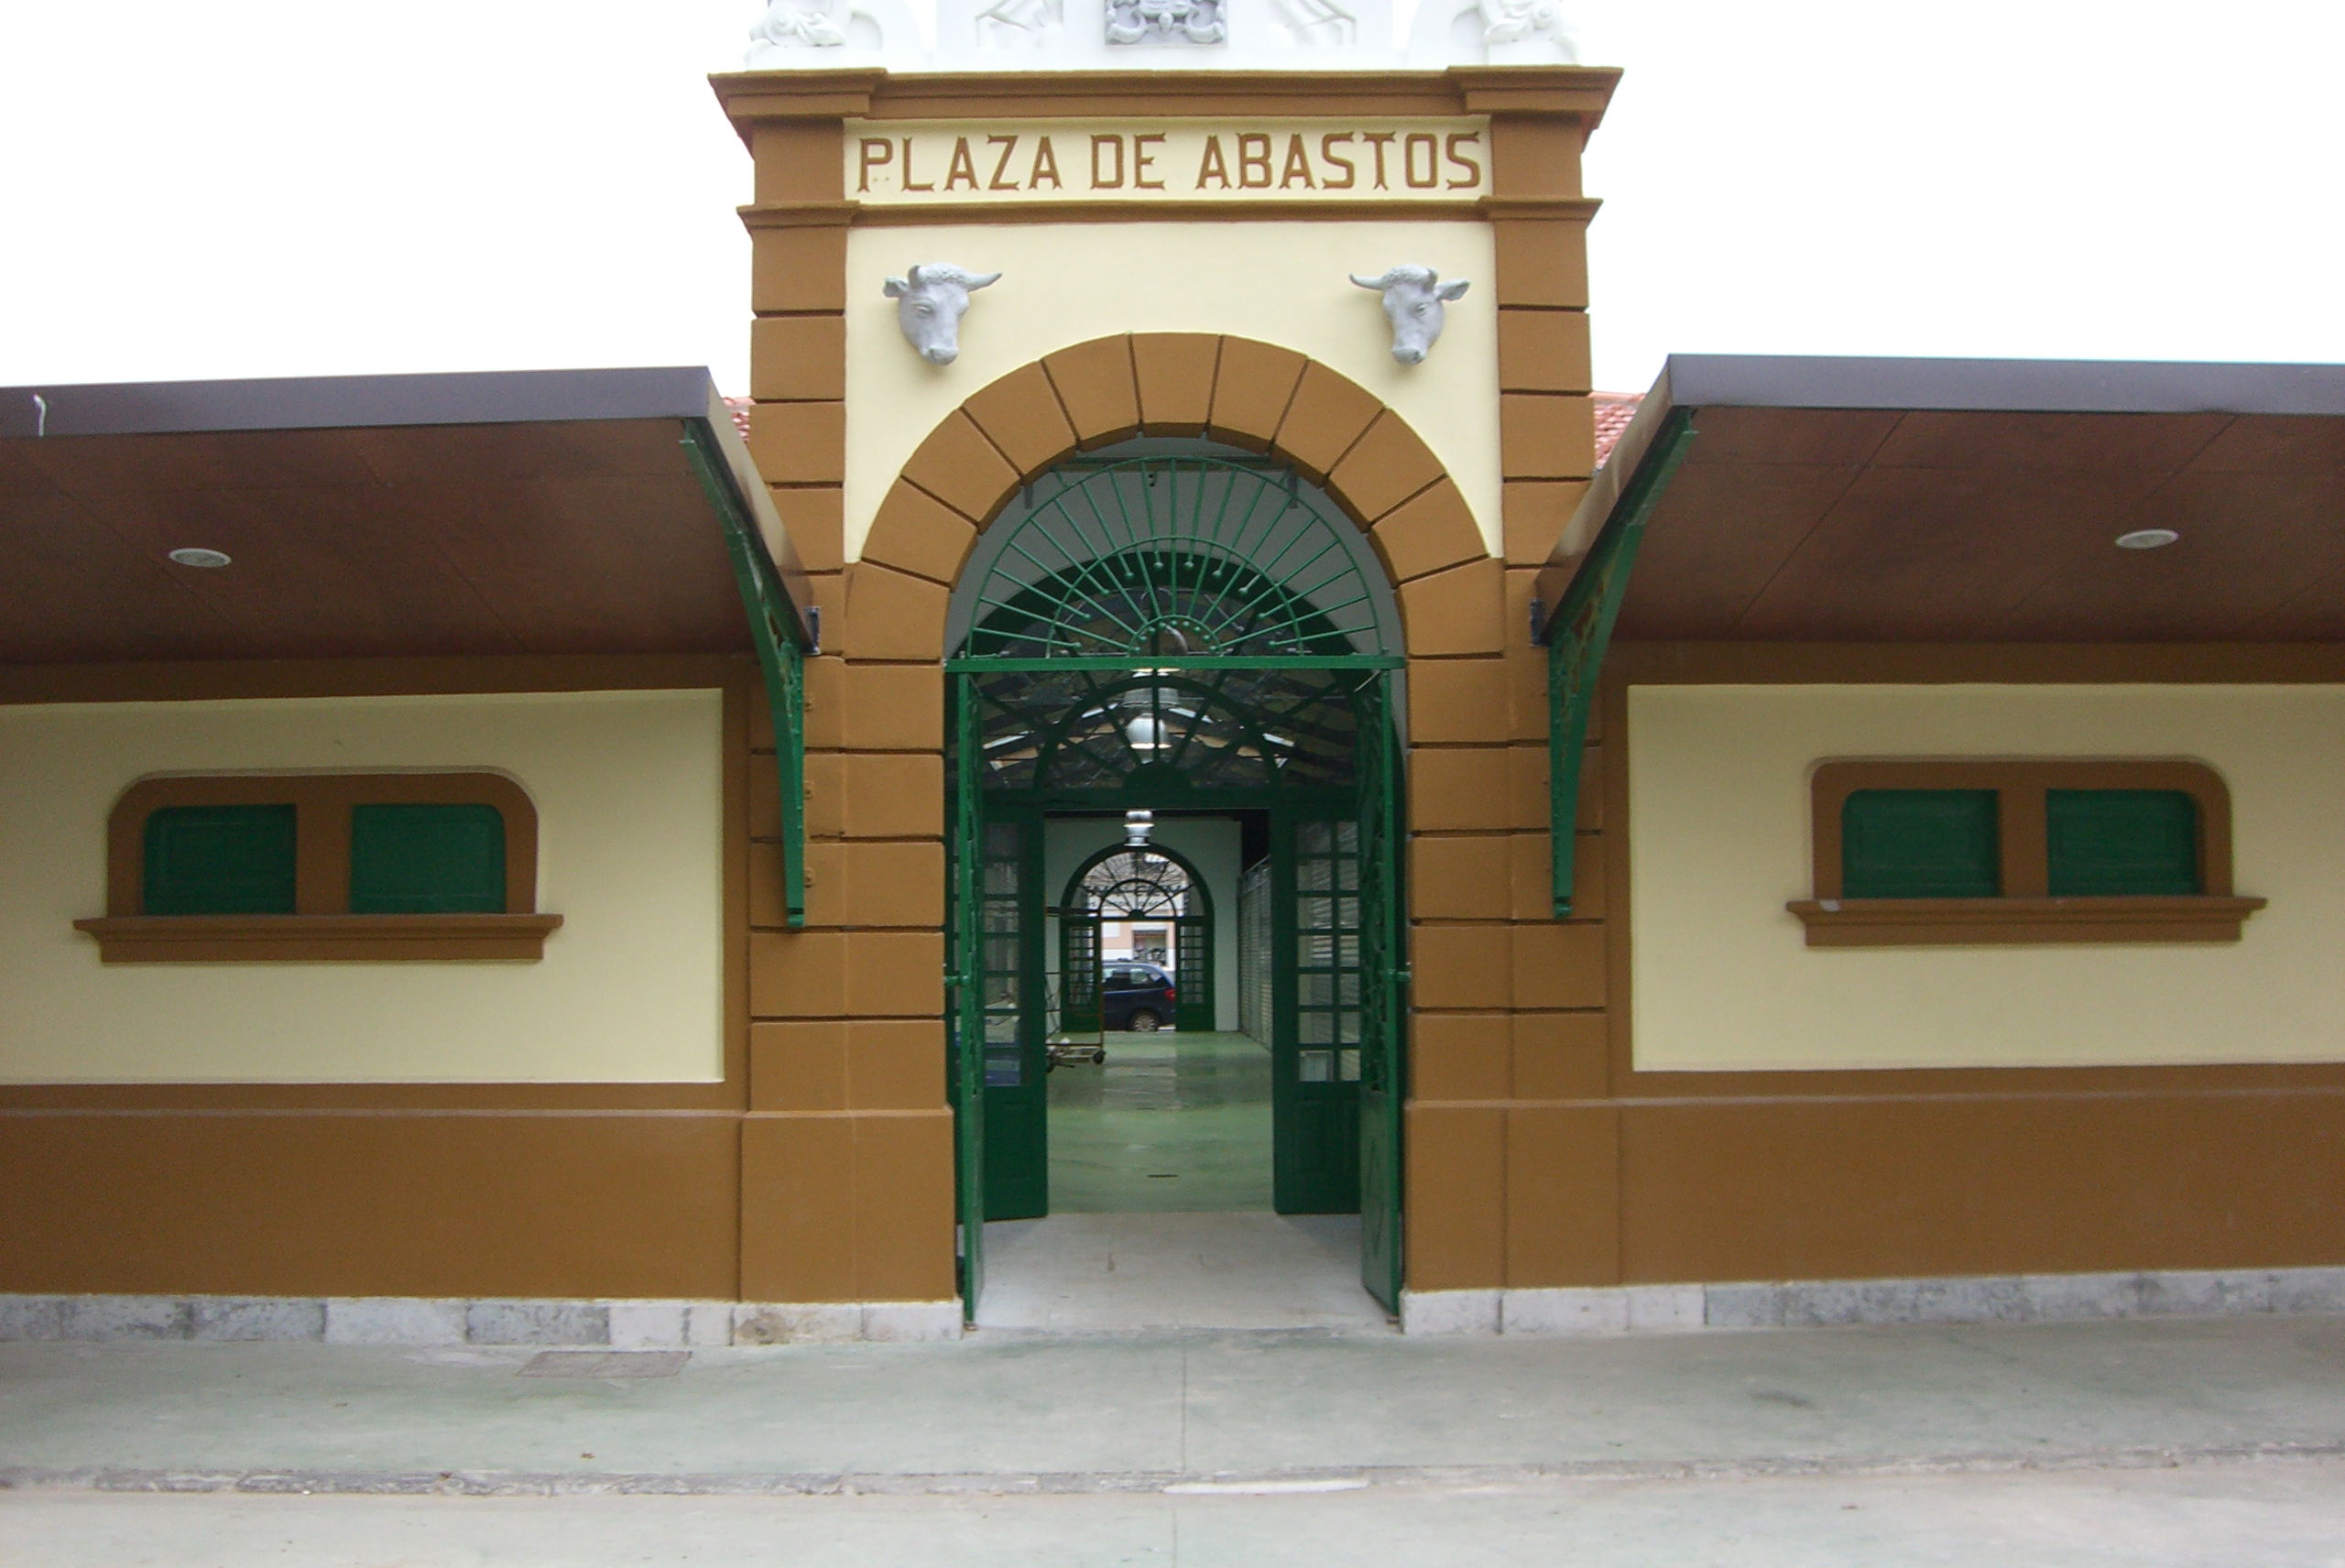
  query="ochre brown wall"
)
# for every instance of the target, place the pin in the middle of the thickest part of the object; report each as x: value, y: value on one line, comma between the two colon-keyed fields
x: 846, y: 1163
x: 408, y: 1190
x: 1701, y: 1176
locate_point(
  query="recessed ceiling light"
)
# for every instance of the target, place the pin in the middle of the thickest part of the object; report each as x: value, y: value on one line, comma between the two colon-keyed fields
x: 2147, y: 538
x: 206, y: 559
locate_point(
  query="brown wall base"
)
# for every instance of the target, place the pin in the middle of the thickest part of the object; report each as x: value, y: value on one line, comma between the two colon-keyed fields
x: 612, y: 1203
x: 1989, y: 1185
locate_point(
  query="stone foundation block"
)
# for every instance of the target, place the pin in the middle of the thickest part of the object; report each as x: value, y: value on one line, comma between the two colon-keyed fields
x: 125, y: 1317
x: 795, y: 1323
x: 911, y: 1322
x: 1662, y: 1308
x: 1450, y: 1311
x: 1564, y: 1311
x: 256, y: 1318
x: 1742, y: 1306
x: 394, y: 1320
x: 31, y: 1317
x: 537, y: 1322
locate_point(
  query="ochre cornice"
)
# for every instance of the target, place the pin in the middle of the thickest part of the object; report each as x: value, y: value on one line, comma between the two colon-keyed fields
x: 1556, y: 91
x: 842, y: 214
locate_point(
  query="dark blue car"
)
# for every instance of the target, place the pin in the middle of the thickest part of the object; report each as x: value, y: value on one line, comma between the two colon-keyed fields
x: 1136, y: 996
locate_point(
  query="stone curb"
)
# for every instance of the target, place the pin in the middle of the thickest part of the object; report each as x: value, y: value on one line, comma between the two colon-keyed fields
x: 541, y: 1484
x: 1844, y: 1304
x: 420, y: 1321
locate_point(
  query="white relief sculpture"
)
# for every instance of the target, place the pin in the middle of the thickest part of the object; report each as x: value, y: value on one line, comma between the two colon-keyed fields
x: 1493, y: 32
x: 930, y: 300
x: 1314, y: 23
x: 1415, y: 298
x: 1020, y: 24
x: 801, y: 35
x: 1511, y: 26
x: 1166, y: 22
x: 795, y: 25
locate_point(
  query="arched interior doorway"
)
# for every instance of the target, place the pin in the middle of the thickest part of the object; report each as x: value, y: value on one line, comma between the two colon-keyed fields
x: 1135, y: 904
x: 1186, y: 629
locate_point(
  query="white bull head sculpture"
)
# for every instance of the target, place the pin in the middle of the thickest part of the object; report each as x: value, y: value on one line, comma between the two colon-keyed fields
x: 930, y: 300
x: 1413, y: 298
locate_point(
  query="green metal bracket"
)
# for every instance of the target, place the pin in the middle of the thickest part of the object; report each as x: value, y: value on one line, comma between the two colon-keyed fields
x: 782, y: 644
x: 1581, y: 631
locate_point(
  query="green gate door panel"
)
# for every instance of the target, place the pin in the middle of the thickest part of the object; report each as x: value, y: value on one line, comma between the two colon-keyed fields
x: 1079, y: 1002
x: 422, y: 857
x: 1193, y: 972
x: 967, y: 1021
x: 1920, y: 844
x: 2110, y: 842
x: 1316, y: 1044
x: 1017, y: 1157
x: 220, y: 860
x: 1383, y: 981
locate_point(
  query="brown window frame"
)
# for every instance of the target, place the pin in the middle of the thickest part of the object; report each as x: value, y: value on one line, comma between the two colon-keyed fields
x: 321, y: 929
x: 2025, y: 913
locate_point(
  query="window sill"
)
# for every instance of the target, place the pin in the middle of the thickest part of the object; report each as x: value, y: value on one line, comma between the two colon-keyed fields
x: 317, y: 939
x: 2004, y: 922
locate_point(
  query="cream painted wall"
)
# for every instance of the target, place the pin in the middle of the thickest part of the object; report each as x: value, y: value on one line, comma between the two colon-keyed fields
x: 1718, y: 824
x: 1067, y: 283
x: 629, y: 796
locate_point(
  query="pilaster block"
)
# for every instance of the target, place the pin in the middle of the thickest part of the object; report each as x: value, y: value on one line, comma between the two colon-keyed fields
x: 798, y: 359
x: 1456, y: 1180
x: 798, y: 975
x: 1547, y: 435
x: 1558, y: 966
x: 799, y: 443
x: 1457, y: 702
x: 891, y: 707
x: 895, y: 974
x: 893, y: 615
x: 1456, y: 610
x: 1562, y: 1199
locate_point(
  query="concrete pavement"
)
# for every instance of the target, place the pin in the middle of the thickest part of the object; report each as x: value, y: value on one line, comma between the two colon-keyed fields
x: 2143, y: 1441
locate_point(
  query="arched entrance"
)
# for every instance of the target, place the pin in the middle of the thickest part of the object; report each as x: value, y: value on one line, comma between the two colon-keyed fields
x: 1177, y: 627
x: 1164, y: 908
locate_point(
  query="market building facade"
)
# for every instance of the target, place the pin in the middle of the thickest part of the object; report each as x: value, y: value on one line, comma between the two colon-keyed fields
x: 572, y: 873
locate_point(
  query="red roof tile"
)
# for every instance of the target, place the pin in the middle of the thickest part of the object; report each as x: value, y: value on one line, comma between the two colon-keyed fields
x: 1613, y: 412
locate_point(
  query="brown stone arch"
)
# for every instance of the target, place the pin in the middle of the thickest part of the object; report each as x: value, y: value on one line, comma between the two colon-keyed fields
x: 1238, y: 390
x: 847, y: 1152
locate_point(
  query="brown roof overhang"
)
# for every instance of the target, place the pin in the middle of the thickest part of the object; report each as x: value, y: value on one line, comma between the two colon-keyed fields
x: 532, y: 512
x: 1889, y: 500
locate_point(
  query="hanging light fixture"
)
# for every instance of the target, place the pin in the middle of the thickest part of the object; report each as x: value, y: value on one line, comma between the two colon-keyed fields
x: 1146, y: 733
x: 1138, y: 825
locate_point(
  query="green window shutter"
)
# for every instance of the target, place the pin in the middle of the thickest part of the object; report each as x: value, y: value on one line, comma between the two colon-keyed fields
x: 1920, y: 844
x: 2122, y: 841
x: 427, y: 860
x: 220, y: 860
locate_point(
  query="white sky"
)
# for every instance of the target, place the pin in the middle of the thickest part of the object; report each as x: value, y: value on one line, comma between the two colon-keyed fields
x: 299, y: 186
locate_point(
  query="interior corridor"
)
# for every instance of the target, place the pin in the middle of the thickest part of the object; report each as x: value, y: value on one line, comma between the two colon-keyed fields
x: 1171, y: 1122
x: 1160, y: 1206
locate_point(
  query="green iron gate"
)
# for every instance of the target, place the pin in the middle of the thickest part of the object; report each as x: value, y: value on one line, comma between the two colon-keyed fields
x: 1196, y: 635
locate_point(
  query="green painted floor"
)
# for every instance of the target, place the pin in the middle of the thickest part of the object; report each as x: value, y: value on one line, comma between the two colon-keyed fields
x: 1171, y: 1123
